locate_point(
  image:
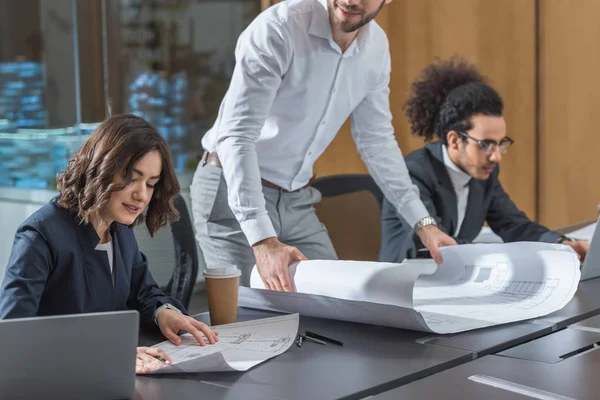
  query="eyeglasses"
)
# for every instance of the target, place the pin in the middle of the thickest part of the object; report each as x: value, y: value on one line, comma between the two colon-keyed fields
x: 489, y: 146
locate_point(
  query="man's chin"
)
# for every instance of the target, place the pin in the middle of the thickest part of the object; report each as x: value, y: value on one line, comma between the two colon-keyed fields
x: 346, y: 27
x: 479, y: 174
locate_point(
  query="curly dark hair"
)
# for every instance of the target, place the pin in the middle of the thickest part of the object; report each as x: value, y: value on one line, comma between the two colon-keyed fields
x: 446, y: 96
x: 113, y: 148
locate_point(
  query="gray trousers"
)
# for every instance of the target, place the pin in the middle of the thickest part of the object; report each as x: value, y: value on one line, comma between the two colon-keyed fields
x: 219, y: 234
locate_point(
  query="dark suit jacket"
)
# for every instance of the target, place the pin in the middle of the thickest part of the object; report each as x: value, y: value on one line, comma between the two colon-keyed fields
x: 487, y: 201
x: 54, y: 269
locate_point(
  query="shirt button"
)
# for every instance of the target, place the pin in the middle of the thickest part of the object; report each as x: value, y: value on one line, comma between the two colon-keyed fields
x: 322, y: 122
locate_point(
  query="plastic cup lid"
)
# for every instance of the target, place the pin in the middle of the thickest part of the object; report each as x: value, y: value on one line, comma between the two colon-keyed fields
x: 222, y: 271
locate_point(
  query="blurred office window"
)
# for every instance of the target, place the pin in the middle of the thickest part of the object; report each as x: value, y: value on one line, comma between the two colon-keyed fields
x: 39, y: 126
x: 41, y: 121
x: 65, y: 65
x: 170, y: 61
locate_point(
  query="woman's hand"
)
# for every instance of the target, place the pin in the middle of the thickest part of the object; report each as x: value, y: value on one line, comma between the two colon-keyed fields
x: 150, y: 358
x: 170, y: 322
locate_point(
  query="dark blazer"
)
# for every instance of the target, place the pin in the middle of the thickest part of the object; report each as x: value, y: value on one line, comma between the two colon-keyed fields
x: 54, y: 269
x: 487, y: 201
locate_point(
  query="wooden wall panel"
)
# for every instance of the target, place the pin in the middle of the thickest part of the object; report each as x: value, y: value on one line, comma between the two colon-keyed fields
x: 569, y: 101
x: 266, y: 3
x: 499, y: 36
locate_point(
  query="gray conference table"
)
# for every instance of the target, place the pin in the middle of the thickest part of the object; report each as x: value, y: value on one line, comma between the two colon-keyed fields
x: 485, y: 341
x: 585, y: 304
x: 564, y: 363
x: 373, y: 359
x: 592, y: 324
x: 575, y: 378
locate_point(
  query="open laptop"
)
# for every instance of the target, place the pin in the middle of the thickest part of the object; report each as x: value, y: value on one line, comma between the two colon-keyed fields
x: 82, y: 356
x: 590, y: 268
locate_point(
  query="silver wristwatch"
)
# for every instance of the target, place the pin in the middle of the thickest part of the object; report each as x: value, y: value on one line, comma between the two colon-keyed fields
x: 423, y: 222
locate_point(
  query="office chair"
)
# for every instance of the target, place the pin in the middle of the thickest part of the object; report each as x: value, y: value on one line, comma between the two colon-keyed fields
x: 351, y: 211
x: 172, y: 254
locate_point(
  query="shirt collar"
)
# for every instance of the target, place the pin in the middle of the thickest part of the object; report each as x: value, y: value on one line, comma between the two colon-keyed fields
x: 319, y: 24
x: 364, y: 35
x: 458, y: 177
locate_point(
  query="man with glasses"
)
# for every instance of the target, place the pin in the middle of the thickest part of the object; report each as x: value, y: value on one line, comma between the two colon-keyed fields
x: 457, y: 175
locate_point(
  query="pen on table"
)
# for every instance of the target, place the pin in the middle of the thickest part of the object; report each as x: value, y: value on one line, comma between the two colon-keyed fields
x: 299, y: 341
x: 312, y: 339
x: 325, y: 338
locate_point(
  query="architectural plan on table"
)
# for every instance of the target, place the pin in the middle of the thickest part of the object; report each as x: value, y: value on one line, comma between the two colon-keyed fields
x: 478, y: 285
x: 241, y: 346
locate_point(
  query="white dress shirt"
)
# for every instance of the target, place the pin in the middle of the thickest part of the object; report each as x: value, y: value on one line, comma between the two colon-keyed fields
x: 460, y: 182
x: 291, y: 91
x: 108, y: 248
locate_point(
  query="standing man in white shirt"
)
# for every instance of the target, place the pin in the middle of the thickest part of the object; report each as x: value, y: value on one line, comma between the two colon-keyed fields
x: 302, y: 68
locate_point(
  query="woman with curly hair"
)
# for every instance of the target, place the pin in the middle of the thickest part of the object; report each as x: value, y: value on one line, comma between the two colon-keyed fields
x: 78, y: 253
x: 457, y: 175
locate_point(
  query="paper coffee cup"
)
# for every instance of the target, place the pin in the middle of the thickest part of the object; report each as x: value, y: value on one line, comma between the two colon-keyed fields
x: 222, y: 272
x: 222, y: 283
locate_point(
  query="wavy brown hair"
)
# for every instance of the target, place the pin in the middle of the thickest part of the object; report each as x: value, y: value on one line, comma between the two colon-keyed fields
x: 113, y: 148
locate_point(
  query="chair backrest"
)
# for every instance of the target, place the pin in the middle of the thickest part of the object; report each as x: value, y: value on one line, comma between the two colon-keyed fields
x: 172, y: 254
x: 351, y: 211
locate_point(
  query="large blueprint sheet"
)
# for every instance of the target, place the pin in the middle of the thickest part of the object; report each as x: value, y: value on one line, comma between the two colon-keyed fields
x: 478, y: 285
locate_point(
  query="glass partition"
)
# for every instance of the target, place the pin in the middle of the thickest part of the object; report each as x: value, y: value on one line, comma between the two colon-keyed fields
x: 170, y: 62
x: 65, y: 65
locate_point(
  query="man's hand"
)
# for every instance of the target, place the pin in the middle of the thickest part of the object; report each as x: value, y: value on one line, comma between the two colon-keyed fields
x: 170, y: 322
x: 272, y: 260
x: 433, y: 238
x: 149, y: 358
x: 581, y: 247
